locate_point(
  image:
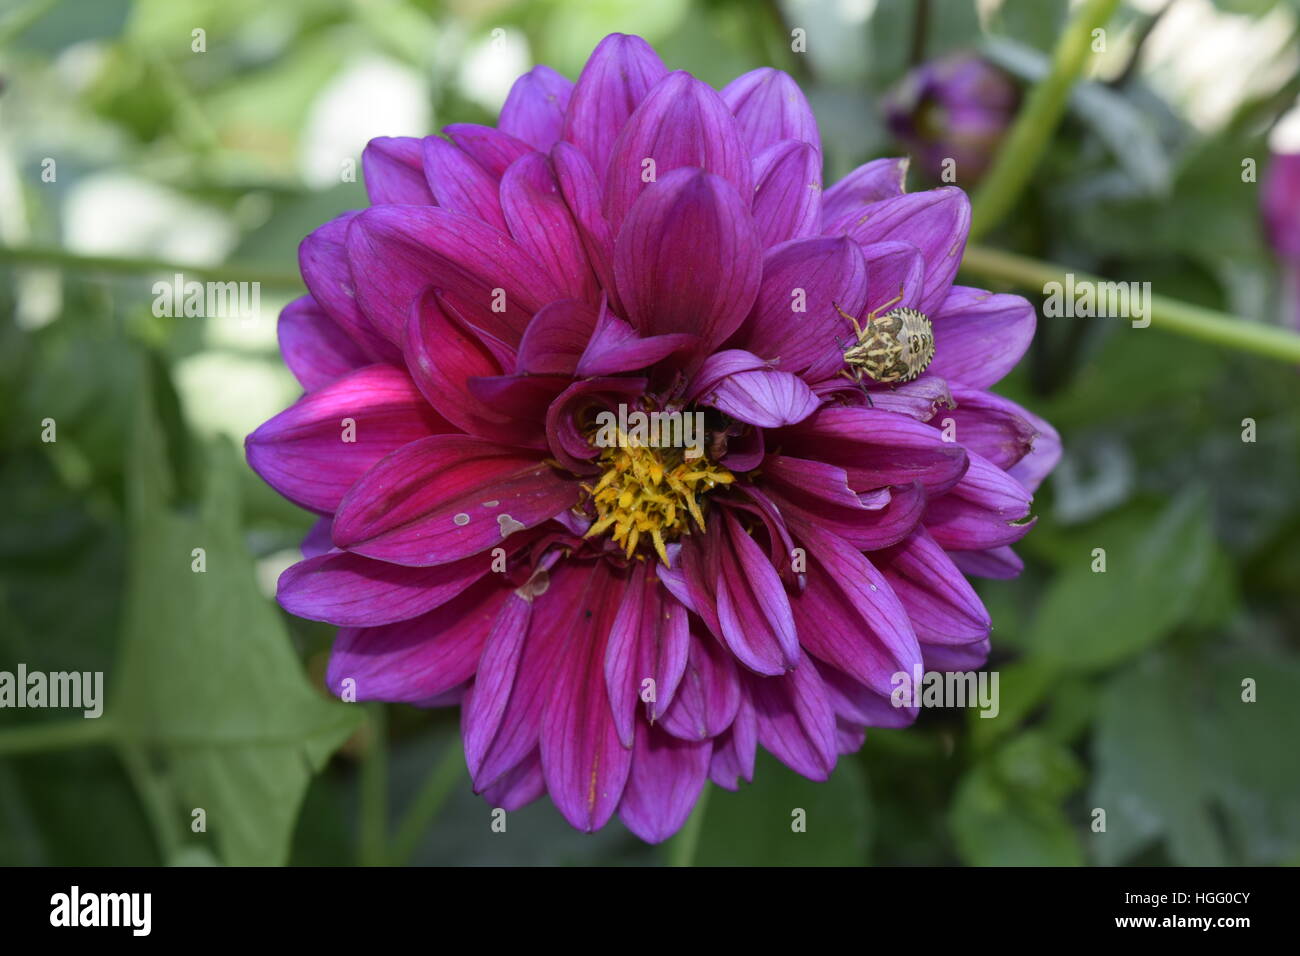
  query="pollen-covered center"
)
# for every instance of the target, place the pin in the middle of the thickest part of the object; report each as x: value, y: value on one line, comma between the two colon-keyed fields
x: 651, y: 494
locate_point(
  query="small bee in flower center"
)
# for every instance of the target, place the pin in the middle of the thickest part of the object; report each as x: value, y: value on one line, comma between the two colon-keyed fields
x: 892, y: 348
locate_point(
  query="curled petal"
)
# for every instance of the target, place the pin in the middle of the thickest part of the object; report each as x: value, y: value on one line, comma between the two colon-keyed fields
x: 743, y: 386
x: 556, y: 338
x: 615, y: 347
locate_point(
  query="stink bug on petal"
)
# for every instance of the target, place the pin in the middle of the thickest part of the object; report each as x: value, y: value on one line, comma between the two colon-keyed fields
x: 890, y: 349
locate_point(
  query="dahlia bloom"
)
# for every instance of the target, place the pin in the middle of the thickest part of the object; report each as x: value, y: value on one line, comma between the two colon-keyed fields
x: 620, y: 622
x: 956, y: 108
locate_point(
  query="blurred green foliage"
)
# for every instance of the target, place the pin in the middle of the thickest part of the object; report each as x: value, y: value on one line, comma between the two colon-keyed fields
x: 1120, y: 691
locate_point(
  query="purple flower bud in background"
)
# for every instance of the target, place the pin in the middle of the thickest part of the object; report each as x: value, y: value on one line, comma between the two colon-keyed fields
x: 1280, y: 209
x: 955, y: 109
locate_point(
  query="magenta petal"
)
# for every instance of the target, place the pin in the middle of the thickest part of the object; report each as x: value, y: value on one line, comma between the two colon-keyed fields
x: 869, y: 183
x: 753, y: 611
x: 687, y: 258
x: 877, y: 448
x: 769, y: 107
x: 856, y: 703
x: 993, y: 427
x: 666, y: 779
x: 682, y: 122
x: 582, y: 194
x: 795, y: 720
x: 787, y: 192
x: 818, y: 493
x: 708, y: 695
x: 986, y: 509
x: 1043, y: 456
x: 568, y: 443
x: 319, y: 538
x: 615, y: 347
x: 895, y: 268
x: 415, y: 660
x: 556, y: 338
x: 585, y: 764
x: 618, y: 74
x: 491, y: 148
x: 849, y: 616
x: 942, y: 606
x: 534, y: 110
x: 460, y: 183
x: 957, y: 657
x: 396, y: 252
x: 447, y: 497
x: 518, y: 786
x: 352, y: 591
x: 541, y: 223
x: 922, y: 399
x: 327, y: 273
x: 979, y: 337
x: 999, y: 563
x: 648, y: 641
x: 494, y: 680
x: 936, y: 221
x: 317, y: 448
x: 393, y: 167
x: 794, y: 321
x: 743, y: 386
x: 314, y: 346
x: 734, y: 749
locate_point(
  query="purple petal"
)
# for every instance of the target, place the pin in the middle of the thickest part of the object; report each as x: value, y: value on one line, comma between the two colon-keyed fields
x: 666, y: 779
x: 317, y: 448
x: 396, y: 252
x: 818, y: 493
x: 941, y: 604
x: 986, y: 509
x: 415, y: 660
x: 989, y: 425
x: 734, y: 749
x: 519, y: 786
x: 491, y: 148
x: 494, y: 680
x: 1043, y: 456
x: 869, y: 183
x: 314, y: 346
x: 615, y: 347
x: 534, y: 110
x: 979, y: 337
x: 616, y: 78
x: 582, y: 194
x: 769, y: 107
x: 743, y: 386
x: 687, y: 258
x: 541, y: 223
x: 444, y: 498
x: 327, y: 273
x: 460, y: 183
x: 787, y: 192
x: 708, y: 695
x: 393, y: 167
x: 999, y: 563
x: 936, y: 221
x: 922, y: 399
x: 795, y: 720
x: 556, y: 338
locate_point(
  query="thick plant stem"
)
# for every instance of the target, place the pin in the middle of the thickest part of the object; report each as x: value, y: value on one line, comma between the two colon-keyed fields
x: 59, y: 735
x: 682, y: 847
x: 1170, y: 315
x: 114, y: 265
x: 1023, y: 146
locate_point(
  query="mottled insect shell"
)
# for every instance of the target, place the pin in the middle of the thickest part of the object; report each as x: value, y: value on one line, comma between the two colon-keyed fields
x: 893, y: 348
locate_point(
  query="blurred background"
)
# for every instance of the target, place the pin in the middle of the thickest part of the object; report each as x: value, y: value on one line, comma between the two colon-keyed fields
x: 130, y: 143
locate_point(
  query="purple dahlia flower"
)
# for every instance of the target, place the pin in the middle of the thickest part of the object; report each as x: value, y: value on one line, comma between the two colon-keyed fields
x: 620, y: 621
x: 956, y: 108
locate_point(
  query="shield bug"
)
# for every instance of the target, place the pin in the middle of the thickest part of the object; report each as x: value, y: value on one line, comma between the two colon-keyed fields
x: 890, y: 349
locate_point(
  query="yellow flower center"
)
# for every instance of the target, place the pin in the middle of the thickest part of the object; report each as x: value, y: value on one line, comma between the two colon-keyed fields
x: 652, y: 494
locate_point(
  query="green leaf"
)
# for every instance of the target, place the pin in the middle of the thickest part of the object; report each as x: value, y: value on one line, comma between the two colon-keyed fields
x: 1007, y: 811
x: 1182, y: 758
x: 210, y: 691
x: 1089, y: 620
x: 754, y: 825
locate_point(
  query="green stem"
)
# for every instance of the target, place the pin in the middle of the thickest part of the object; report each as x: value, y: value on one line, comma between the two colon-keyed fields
x: 374, y: 789
x: 426, y: 804
x: 682, y: 847
x: 1171, y: 315
x: 1023, y: 146
x: 61, y: 258
x: 61, y: 735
